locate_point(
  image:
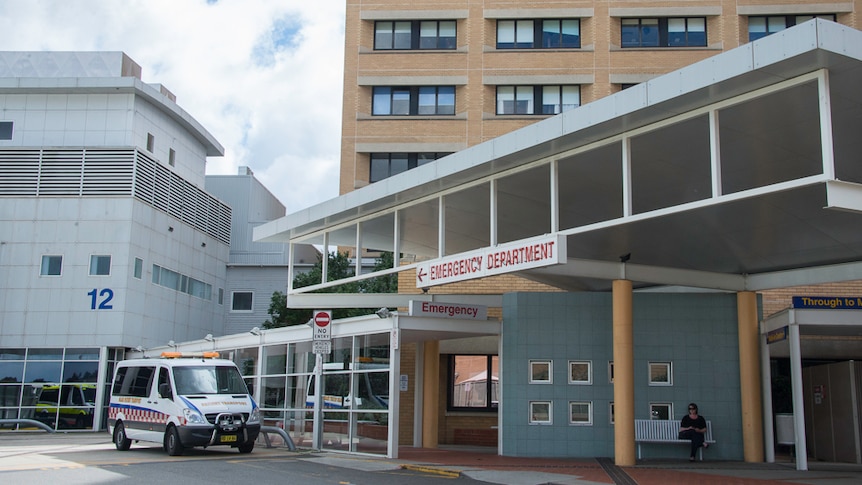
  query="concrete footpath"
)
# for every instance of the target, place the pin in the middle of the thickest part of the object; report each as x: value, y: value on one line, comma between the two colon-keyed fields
x: 34, y: 451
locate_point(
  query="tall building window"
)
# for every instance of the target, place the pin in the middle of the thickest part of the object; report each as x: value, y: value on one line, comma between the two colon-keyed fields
x: 762, y: 26
x: 139, y: 268
x: 100, y: 265
x: 413, y: 100
x: 520, y: 100
x: 5, y: 130
x: 415, y: 34
x: 241, y: 301
x: 172, y: 157
x: 151, y: 142
x: 539, y: 34
x: 474, y: 382
x: 385, y: 165
x: 52, y: 265
x: 663, y: 32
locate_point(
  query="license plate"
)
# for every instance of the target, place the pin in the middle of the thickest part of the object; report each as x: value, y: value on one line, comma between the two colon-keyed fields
x: 227, y: 439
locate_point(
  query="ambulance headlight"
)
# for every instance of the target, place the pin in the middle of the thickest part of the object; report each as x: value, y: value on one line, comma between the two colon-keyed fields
x: 254, y: 417
x: 193, y: 417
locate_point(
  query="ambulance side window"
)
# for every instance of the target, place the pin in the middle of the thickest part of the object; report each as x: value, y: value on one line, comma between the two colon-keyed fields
x: 164, y: 386
x: 133, y: 381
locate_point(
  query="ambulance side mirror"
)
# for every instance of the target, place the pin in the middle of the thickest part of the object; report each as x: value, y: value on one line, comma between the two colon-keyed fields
x: 165, y: 391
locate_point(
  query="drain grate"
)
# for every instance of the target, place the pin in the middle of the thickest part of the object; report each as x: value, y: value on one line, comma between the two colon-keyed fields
x: 617, y: 474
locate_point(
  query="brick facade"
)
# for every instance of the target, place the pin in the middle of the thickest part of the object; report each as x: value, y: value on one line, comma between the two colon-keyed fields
x: 600, y: 67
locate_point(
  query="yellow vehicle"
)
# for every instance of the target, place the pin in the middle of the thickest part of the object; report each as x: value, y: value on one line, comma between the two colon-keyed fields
x: 67, y: 405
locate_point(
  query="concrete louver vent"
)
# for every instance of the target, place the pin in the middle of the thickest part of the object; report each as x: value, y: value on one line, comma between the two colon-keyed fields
x: 112, y: 173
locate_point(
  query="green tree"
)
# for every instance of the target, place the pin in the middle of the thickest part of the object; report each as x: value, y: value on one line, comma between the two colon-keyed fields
x: 338, y: 267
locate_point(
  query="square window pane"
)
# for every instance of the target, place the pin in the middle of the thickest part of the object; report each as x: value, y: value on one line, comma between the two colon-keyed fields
x: 663, y: 411
x: 381, y: 101
x: 139, y: 268
x: 580, y: 413
x: 379, y: 167
x: 398, y: 163
x: 402, y: 36
x: 660, y: 374
x: 242, y: 301
x: 5, y: 130
x: 100, y: 265
x: 580, y: 372
x: 383, y: 35
x: 540, y: 412
x: 400, y: 101
x: 540, y: 372
x: 505, y: 34
x: 51, y: 265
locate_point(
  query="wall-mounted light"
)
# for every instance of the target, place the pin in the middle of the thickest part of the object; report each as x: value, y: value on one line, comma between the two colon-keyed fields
x: 209, y: 337
x: 171, y: 343
x: 170, y: 228
x: 203, y: 244
x: 255, y: 331
x: 383, y: 313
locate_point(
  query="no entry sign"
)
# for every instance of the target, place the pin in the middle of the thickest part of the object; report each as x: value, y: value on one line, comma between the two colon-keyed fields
x: 321, y: 321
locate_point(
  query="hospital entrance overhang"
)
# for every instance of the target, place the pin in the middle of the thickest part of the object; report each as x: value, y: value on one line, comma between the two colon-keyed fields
x: 738, y: 173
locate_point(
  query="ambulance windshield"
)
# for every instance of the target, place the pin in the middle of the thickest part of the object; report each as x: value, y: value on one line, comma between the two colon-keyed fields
x: 209, y: 380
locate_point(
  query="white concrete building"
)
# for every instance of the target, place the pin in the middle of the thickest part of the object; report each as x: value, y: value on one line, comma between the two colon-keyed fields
x: 108, y: 239
x: 255, y: 269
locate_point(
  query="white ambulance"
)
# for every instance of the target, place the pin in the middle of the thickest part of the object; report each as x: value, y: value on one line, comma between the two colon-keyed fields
x: 181, y: 401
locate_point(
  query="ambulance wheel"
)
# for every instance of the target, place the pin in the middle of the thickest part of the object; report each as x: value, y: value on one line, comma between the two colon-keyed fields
x: 173, y: 445
x: 246, y: 447
x: 121, y: 441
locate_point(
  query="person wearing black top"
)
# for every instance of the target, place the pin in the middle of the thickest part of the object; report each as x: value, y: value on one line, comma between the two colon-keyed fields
x: 693, y: 427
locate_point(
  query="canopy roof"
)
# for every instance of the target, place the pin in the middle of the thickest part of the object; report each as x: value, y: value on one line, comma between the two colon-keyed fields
x: 739, y: 172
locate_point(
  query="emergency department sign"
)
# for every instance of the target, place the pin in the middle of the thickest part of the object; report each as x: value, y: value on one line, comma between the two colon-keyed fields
x: 504, y: 258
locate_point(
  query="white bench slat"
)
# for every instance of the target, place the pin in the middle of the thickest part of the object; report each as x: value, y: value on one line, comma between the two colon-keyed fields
x: 665, y: 431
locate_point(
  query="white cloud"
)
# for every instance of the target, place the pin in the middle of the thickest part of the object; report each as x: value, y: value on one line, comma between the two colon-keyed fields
x: 264, y: 77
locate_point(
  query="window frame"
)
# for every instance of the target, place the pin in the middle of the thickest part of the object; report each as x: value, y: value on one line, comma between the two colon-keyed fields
x: 138, y: 268
x: 589, y: 380
x: 661, y: 38
x: 491, y: 391
x: 589, y: 421
x: 233, y: 301
x: 669, y: 367
x: 532, y: 33
x: 414, y: 160
x: 532, y: 98
x: 654, y: 415
x: 7, y: 130
x: 46, y: 270
x: 96, y: 262
x: 536, y: 371
x: 787, y: 21
x: 414, y: 38
x: 533, y: 413
x: 387, y: 100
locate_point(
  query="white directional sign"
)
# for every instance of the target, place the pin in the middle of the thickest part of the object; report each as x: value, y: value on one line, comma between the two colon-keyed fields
x: 321, y: 325
x: 491, y: 261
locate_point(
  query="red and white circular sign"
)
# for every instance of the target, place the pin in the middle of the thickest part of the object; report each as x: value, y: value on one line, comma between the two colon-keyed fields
x: 322, y: 319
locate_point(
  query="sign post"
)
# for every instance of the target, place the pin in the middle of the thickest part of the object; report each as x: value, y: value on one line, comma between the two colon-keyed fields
x: 321, y: 342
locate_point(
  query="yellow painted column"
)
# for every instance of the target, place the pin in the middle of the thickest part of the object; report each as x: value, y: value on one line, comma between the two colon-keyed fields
x: 430, y: 393
x: 749, y: 377
x: 624, y: 383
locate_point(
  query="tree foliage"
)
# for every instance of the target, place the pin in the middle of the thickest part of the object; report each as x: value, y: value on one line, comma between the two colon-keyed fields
x: 338, y: 267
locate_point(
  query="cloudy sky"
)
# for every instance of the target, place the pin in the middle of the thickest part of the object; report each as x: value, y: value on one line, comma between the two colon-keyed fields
x: 263, y: 76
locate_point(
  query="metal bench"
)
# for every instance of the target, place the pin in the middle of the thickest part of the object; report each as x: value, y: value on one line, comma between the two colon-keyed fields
x: 665, y: 431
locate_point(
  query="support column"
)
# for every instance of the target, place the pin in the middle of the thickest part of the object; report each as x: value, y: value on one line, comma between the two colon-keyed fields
x: 430, y: 393
x: 749, y: 377
x: 624, y: 383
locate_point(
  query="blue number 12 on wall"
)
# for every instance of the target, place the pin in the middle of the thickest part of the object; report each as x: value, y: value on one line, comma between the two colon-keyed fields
x: 106, y: 294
